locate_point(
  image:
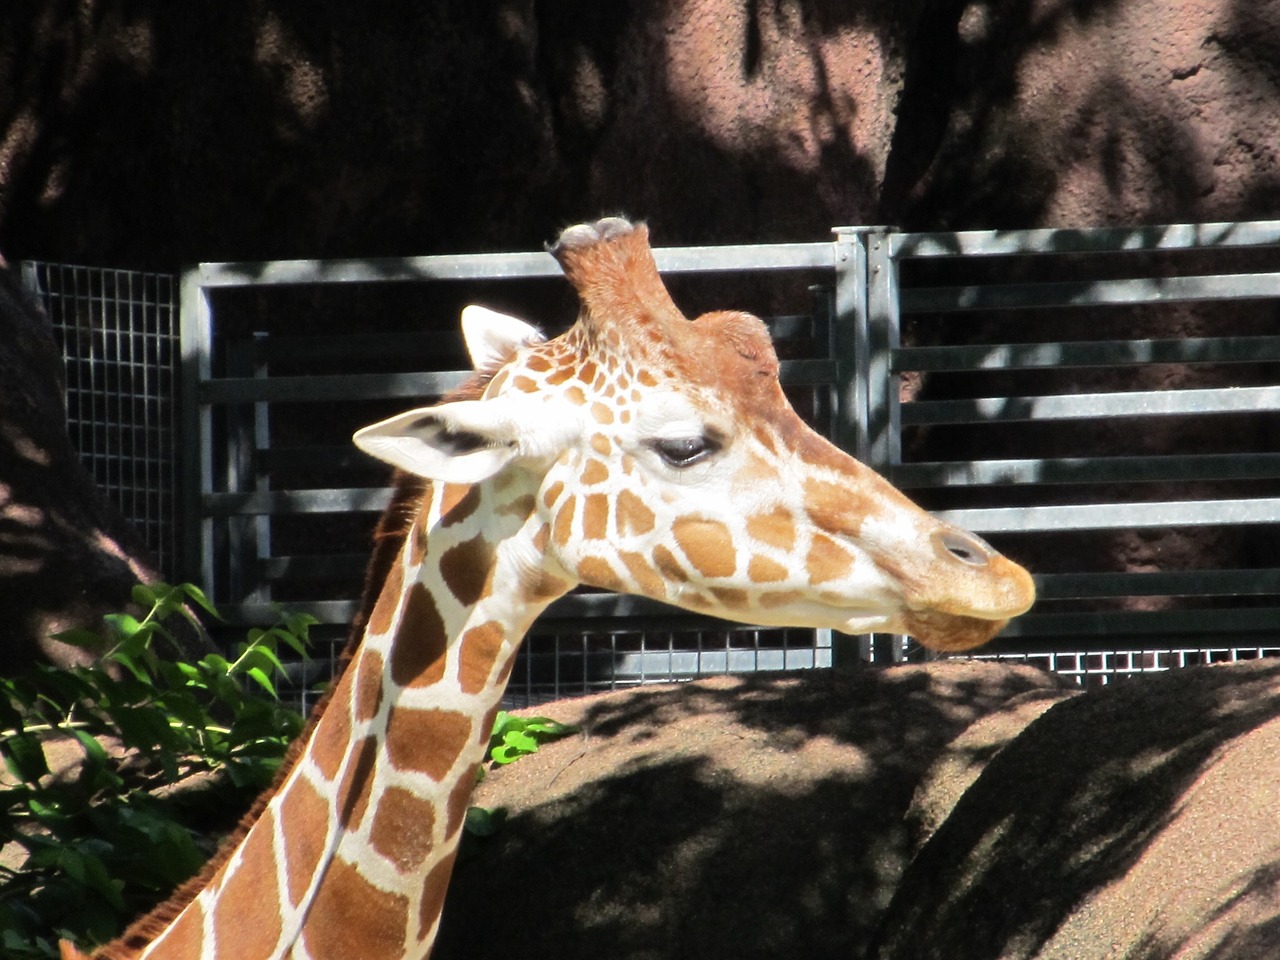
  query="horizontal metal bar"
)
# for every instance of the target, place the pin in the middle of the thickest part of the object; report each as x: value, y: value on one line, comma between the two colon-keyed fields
x: 807, y: 372
x: 1164, y: 583
x: 1089, y: 293
x: 313, y: 567
x: 1165, y: 624
x: 503, y: 266
x: 747, y: 256
x: 280, y: 502
x: 433, y: 346
x: 356, y: 386
x: 1097, y: 353
x: 1116, y: 516
x: 1073, y: 470
x: 341, y: 455
x: 376, y: 386
x: 1178, y: 236
x: 394, y: 269
x: 592, y: 611
x: 1137, y: 403
x: 325, y: 611
x: 360, y: 346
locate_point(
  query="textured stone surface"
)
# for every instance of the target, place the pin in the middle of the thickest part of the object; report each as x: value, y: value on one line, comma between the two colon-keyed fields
x: 950, y: 810
x: 725, y: 818
x: 1138, y: 820
x: 156, y: 133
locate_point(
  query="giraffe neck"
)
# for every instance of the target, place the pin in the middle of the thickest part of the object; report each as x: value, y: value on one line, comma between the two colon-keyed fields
x: 352, y: 856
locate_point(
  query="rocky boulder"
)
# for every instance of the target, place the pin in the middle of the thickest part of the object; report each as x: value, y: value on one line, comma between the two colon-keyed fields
x: 958, y: 810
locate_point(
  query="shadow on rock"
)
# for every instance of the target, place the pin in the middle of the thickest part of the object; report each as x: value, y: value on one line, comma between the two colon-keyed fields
x: 1137, y: 821
x: 739, y: 818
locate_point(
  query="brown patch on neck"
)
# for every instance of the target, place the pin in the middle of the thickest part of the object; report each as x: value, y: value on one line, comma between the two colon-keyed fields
x: 466, y: 569
x: 457, y: 502
x: 418, y: 649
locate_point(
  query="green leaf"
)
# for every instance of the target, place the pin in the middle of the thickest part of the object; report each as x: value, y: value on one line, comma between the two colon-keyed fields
x: 142, y: 727
x: 93, y: 750
x: 124, y: 625
x: 84, y: 639
x: 483, y: 822
x: 24, y: 756
x: 546, y: 729
x: 264, y: 681
x: 127, y: 661
x: 266, y: 652
x: 520, y: 740
x: 198, y: 595
x: 215, y: 665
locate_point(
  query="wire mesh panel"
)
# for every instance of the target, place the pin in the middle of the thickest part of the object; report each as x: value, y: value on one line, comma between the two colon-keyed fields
x: 1094, y: 668
x: 554, y: 665
x: 119, y: 335
x: 915, y: 349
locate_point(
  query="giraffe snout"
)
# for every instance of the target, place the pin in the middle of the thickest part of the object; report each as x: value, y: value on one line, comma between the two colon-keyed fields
x: 970, y: 579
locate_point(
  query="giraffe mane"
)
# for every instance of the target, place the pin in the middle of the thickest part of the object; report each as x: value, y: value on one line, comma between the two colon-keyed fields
x: 408, y: 494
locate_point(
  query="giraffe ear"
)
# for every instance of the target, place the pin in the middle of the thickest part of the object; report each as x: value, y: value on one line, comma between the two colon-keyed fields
x: 462, y: 442
x: 492, y: 338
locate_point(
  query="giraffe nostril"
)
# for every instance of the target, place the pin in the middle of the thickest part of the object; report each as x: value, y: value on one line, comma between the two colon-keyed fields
x: 964, y: 547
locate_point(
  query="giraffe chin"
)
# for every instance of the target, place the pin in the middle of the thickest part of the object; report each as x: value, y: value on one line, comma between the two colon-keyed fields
x: 949, y: 633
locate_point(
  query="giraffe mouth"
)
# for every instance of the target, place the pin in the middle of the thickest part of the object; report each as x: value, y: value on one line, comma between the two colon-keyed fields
x: 950, y: 633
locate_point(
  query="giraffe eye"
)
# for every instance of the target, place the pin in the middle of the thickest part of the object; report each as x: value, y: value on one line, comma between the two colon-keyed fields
x: 684, y: 451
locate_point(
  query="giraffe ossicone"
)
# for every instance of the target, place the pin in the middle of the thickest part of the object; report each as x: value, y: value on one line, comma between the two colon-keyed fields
x: 640, y: 452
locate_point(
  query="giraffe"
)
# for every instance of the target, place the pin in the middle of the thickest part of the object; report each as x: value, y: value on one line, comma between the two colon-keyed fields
x: 639, y: 452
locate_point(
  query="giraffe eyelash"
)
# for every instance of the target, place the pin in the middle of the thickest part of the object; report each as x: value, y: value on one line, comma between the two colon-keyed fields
x: 683, y: 452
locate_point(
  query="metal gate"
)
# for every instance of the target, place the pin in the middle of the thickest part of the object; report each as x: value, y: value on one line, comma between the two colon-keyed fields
x: 279, y: 484
x: 911, y: 350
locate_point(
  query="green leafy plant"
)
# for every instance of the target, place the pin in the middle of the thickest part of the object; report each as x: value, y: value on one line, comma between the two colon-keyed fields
x: 90, y: 843
x: 512, y: 738
x: 515, y: 737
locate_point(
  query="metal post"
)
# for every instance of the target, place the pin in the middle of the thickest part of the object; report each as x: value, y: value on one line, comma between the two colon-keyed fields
x: 861, y: 363
x: 195, y: 440
x: 884, y: 421
x: 849, y: 340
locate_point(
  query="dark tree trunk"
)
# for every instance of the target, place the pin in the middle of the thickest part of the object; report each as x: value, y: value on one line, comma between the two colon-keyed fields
x: 67, y: 556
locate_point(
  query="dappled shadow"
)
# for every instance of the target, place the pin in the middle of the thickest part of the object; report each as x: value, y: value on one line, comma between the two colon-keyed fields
x: 780, y: 817
x: 1068, y: 809
x: 733, y: 818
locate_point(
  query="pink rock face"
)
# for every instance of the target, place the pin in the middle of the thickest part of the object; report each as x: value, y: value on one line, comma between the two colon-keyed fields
x: 274, y: 133
x: 1085, y: 114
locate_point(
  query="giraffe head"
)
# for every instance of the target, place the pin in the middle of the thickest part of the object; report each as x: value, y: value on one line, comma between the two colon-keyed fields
x: 667, y: 462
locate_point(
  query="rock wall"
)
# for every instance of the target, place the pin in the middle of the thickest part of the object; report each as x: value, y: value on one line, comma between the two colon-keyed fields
x: 151, y: 134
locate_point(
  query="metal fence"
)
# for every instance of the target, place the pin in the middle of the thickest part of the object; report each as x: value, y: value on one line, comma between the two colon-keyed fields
x: 119, y: 335
x: 1101, y: 353
x: 279, y: 483
x: 1139, y: 370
